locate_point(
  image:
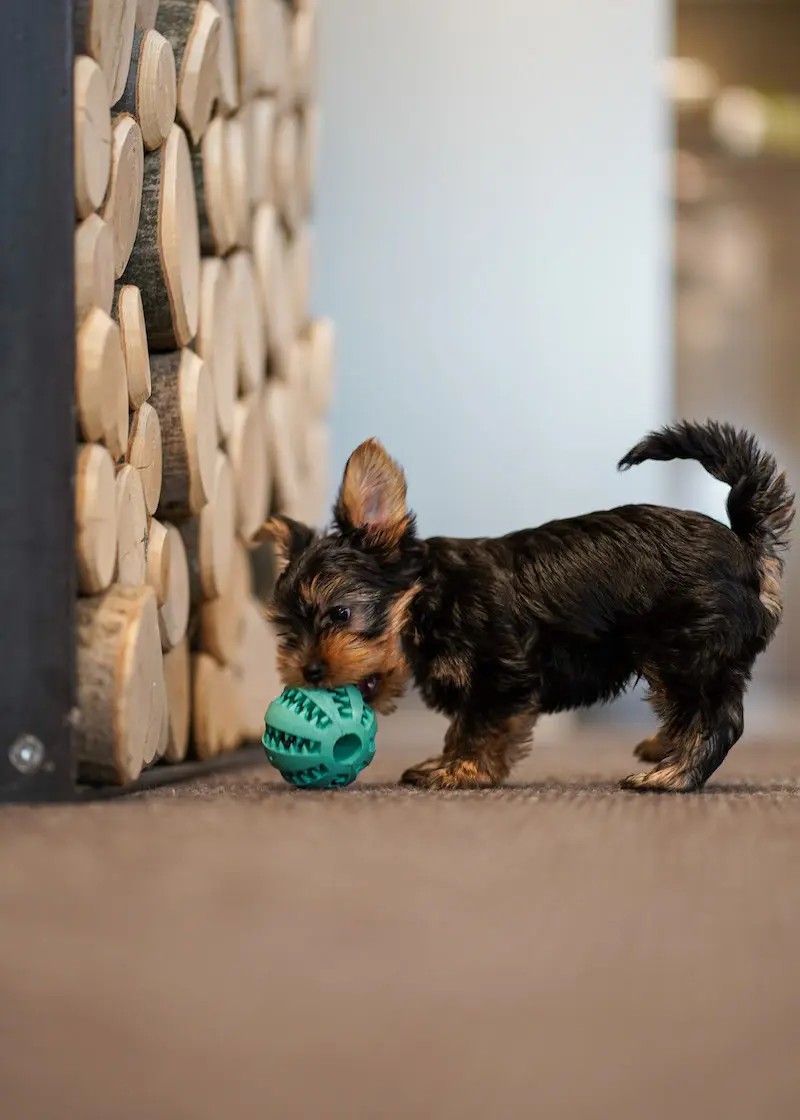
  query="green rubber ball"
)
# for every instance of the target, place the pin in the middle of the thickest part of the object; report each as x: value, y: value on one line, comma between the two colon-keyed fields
x: 318, y: 738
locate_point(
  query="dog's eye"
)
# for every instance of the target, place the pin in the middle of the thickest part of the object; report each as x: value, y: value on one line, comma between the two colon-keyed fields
x: 339, y: 615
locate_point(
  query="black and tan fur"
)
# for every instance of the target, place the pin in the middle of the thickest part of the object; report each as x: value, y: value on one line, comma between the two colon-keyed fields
x: 495, y: 632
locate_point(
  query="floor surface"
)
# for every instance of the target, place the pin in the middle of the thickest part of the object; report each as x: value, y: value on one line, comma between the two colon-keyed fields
x: 557, y: 949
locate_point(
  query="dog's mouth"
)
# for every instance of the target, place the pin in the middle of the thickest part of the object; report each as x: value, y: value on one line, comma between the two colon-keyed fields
x: 369, y: 686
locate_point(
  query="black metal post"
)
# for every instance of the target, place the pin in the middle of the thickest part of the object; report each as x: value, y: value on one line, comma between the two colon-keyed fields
x: 37, y: 428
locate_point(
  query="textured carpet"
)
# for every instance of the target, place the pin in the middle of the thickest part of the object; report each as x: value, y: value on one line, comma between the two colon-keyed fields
x: 558, y: 949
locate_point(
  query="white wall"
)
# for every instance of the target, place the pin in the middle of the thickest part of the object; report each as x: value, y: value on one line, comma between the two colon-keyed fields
x: 493, y: 241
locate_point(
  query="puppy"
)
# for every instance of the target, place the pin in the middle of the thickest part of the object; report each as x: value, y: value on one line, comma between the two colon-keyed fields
x: 495, y: 632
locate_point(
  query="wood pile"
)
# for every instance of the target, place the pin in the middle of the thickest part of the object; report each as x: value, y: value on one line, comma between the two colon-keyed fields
x: 203, y: 381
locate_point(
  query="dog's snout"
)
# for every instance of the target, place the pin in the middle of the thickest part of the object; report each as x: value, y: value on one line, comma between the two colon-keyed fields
x: 314, y: 672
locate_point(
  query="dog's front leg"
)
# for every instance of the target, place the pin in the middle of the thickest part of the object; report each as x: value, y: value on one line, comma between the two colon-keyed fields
x: 478, y: 752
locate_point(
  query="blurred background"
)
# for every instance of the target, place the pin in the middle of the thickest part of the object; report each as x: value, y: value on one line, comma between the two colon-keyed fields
x: 546, y: 228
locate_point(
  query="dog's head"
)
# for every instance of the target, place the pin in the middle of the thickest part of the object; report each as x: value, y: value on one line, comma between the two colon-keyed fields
x: 342, y: 598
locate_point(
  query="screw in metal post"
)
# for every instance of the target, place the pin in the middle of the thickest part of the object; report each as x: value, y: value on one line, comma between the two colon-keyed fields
x: 26, y: 754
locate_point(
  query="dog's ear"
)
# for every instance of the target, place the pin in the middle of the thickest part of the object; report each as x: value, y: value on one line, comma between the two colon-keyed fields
x: 289, y: 537
x: 372, y: 498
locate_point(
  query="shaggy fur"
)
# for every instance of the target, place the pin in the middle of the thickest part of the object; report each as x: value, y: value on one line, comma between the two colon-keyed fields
x: 496, y: 631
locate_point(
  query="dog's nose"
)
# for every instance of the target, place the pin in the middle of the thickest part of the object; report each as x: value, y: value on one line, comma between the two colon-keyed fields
x: 314, y: 672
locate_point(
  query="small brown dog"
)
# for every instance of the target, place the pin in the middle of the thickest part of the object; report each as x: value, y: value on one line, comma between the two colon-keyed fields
x: 495, y: 632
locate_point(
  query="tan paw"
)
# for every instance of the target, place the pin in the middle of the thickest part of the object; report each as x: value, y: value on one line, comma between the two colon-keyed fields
x: 654, y: 749
x: 418, y: 775
x: 666, y: 779
x: 453, y: 775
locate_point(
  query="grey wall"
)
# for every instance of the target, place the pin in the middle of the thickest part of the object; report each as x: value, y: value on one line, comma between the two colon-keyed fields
x: 493, y: 242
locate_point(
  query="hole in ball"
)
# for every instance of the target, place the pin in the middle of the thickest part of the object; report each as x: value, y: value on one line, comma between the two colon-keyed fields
x: 346, y: 748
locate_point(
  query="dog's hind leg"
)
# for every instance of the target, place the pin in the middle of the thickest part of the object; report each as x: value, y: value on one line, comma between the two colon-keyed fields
x: 702, y: 718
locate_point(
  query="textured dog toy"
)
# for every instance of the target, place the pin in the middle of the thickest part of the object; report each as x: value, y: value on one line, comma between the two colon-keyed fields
x: 318, y: 738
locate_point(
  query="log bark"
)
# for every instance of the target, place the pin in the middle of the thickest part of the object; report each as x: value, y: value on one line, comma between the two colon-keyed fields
x: 121, y: 692
x: 248, y: 311
x: 263, y: 571
x: 92, y: 136
x: 165, y: 262
x: 146, y: 11
x: 209, y: 538
x: 130, y: 316
x: 173, y: 616
x: 215, y: 213
x: 123, y: 202
x: 131, y: 529
x: 247, y: 447
x: 183, y: 397
x: 95, y: 518
x: 216, y: 339
x: 150, y: 93
x: 101, y: 391
x: 104, y: 29
x: 178, y: 683
x: 144, y: 454
x: 228, y: 63
x: 159, y: 560
x: 237, y: 172
x: 262, y: 40
x: 193, y: 28
x: 94, y: 267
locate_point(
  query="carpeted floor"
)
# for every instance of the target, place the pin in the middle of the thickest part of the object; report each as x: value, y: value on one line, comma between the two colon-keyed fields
x: 558, y: 949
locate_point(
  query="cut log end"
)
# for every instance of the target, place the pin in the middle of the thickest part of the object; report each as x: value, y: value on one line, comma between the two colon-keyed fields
x: 159, y: 560
x: 130, y: 315
x: 101, y: 389
x: 104, y: 29
x: 131, y: 529
x: 217, y: 340
x: 178, y: 683
x: 92, y: 136
x: 120, y: 684
x: 248, y: 310
x: 124, y: 200
x: 95, y: 518
x: 144, y: 454
x: 94, y: 267
x: 173, y: 616
x: 153, y: 88
x: 198, y: 76
x: 247, y: 447
x: 183, y: 397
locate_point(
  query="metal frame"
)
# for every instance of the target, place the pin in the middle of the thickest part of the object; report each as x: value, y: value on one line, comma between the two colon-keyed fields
x: 38, y: 586
x: 37, y: 430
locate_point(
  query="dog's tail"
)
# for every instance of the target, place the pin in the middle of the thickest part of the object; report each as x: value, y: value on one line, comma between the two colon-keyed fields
x: 760, y: 504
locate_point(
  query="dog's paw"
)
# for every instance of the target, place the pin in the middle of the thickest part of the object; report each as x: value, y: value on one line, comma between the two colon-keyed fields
x: 418, y: 775
x: 654, y: 749
x: 664, y: 779
x: 433, y: 774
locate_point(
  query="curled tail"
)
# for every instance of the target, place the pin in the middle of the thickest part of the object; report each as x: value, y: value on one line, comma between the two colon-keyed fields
x: 760, y: 504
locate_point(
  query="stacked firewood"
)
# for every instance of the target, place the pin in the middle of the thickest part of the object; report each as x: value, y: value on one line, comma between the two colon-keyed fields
x: 202, y: 380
